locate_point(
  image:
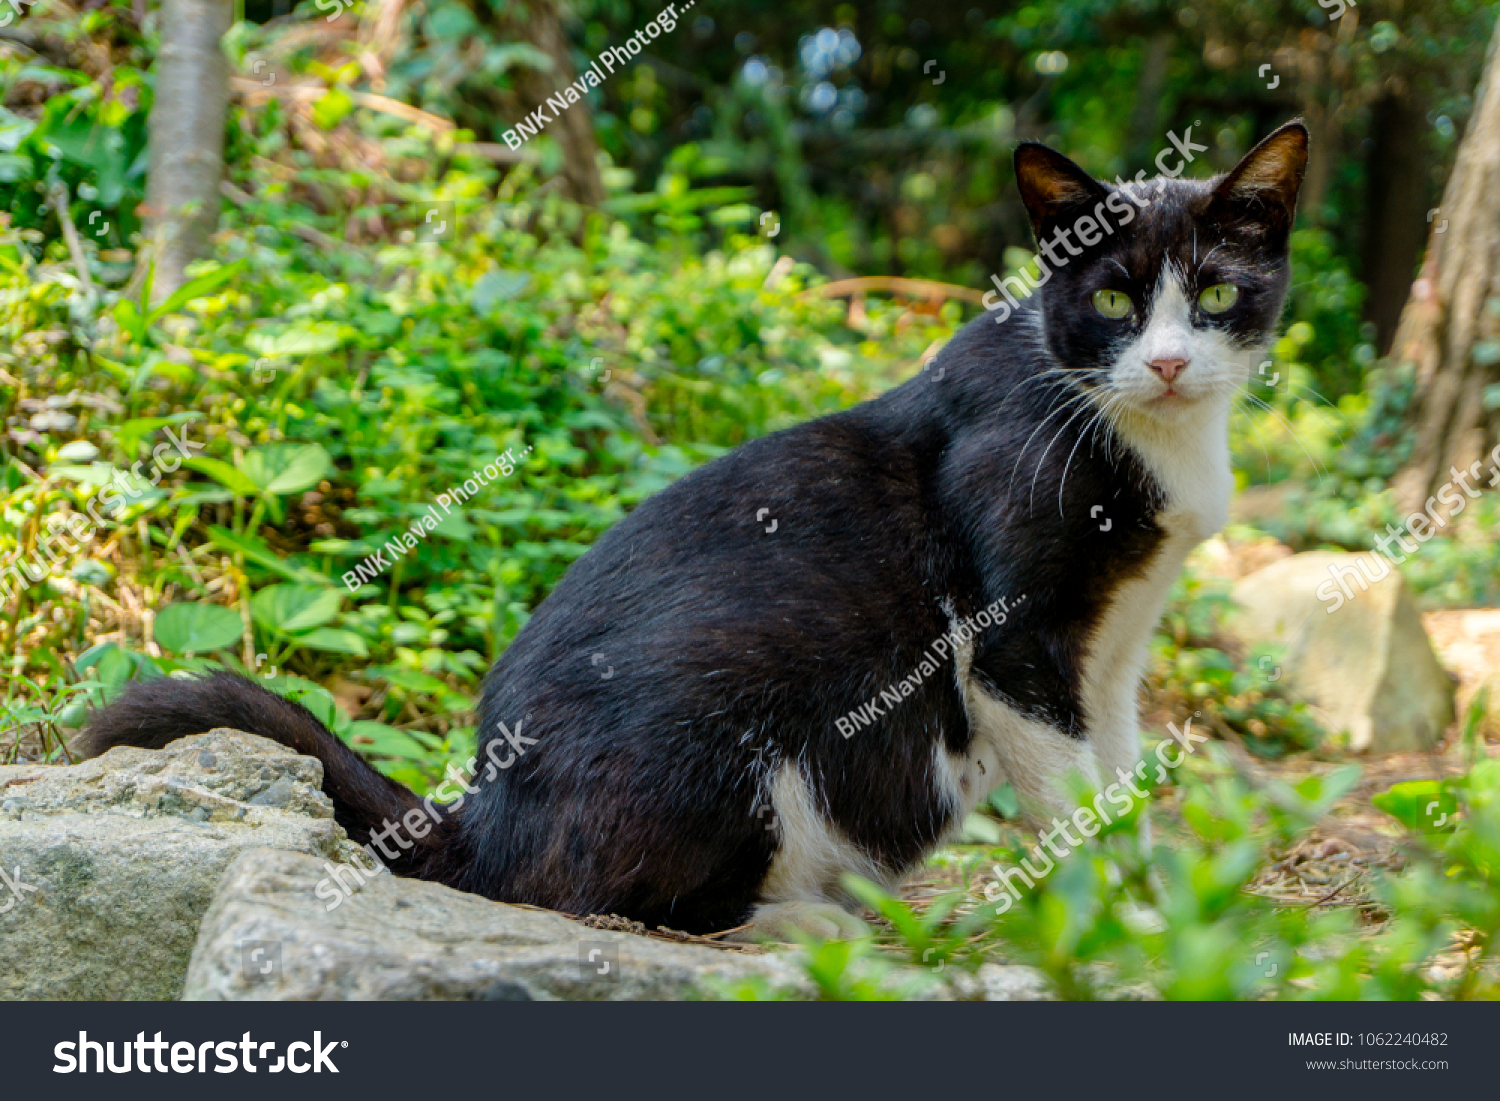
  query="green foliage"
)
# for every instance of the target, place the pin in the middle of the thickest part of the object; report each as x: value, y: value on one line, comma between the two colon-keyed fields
x: 1182, y: 917
x: 1326, y: 337
x: 1330, y: 469
x: 46, y: 708
x: 185, y: 628
x: 344, y: 396
x: 1460, y: 569
x: 89, y: 134
x: 784, y: 99
x: 1197, y: 667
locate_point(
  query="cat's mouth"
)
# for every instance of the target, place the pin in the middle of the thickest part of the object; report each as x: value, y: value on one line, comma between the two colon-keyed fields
x: 1165, y: 399
x: 1174, y: 399
x: 1164, y: 395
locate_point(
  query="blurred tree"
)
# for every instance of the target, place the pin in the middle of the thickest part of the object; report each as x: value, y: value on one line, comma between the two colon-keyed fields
x: 1396, y: 196
x: 1450, y: 329
x: 186, y: 136
x: 538, y: 23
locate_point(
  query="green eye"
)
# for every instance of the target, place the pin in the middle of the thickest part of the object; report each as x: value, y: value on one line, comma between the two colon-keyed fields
x: 1112, y: 304
x: 1218, y: 298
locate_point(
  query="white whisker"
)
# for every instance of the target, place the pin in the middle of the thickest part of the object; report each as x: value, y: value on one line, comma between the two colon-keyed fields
x: 1099, y: 414
x: 1260, y: 436
x: 1054, y: 411
x: 1317, y: 466
x: 1043, y: 456
x: 1326, y: 402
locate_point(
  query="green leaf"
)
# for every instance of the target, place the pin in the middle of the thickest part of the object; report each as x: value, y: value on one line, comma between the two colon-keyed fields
x: 230, y: 477
x: 214, y: 496
x: 73, y: 715
x: 334, y: 641
x: 346, y: 548
x: 1004, y: 800
x: 497, y: 286
x: 113, y: 669
x: 14, y: 129
x: 257, y: 550
x: 324, y: 708
x: 299, y: 340
x: 79, y: 451
x: 369, y: 737
x: 981, y: 829
x: 197, y: 288
x: 331, y: 108
x: 200, y: 628
x: 288, y: 609
x: 892, y: 909
x: 735, y: 214
x: 90, y: 477
x: 410, y: 679
x: 1322, y: 792
x: 501, y: 57
x: 287, y: 468
x: 129, y: 318
x: 1418, y: 804
x: 129, y: 435
x: 90, y: 657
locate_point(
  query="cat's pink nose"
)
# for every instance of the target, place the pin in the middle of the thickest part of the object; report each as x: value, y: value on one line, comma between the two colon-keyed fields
x: 1168, y: 369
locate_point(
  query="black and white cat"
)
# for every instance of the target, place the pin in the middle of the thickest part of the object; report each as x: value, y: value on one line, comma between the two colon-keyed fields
x: 1058, y: 465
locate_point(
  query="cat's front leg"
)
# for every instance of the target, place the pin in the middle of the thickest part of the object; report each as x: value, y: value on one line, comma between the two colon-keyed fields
x: 1115, y: 732
x: 805, y: 877
x: 813, y: 917
x: 1037, y: 758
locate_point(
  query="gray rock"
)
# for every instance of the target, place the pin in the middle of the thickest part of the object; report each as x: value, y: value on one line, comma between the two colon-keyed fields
x: 1014, y: 983
x: 271, y: 936
x: 279, y: 794
x: 1000, y: 982
x: 1358, y: 652
x: 205, y: 870
x: 114, y: 861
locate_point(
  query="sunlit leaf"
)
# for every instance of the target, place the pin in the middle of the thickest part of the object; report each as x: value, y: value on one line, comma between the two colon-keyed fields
x: 290, y: 609
x: 280, y: 469
x: 200, y: 627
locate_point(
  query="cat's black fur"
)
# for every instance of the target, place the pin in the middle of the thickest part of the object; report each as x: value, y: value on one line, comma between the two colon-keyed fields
x: 729, y: 650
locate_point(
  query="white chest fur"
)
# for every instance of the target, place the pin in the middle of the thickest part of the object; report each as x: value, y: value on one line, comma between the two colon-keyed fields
x: 1190, y: 462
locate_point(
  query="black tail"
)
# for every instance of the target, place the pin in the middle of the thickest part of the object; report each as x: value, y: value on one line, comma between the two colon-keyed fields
x: 152, y: 713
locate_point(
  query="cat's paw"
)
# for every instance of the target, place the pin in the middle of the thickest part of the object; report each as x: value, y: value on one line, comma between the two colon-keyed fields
x: 784, y: 920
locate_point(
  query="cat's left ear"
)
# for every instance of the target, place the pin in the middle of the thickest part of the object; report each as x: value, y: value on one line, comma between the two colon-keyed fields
x: 1050, y: 184
x: 1263, y: 186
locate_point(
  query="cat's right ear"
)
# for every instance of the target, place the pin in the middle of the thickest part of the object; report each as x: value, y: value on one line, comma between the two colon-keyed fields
x: 1051, y: 184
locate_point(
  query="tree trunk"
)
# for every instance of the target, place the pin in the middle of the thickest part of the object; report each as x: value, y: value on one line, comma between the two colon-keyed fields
x: 186, y: 137
x: 1145, y: 119
x: 1446, y: 330
x: 1394, y: 225
x: 573, y: 129
x: 1321, y: 104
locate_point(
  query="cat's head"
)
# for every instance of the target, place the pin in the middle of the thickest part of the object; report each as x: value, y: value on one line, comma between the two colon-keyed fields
x: 1163, y: 295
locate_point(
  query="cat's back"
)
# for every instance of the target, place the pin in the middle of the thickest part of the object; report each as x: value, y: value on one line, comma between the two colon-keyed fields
x: 786, y: 545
